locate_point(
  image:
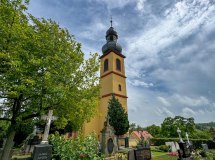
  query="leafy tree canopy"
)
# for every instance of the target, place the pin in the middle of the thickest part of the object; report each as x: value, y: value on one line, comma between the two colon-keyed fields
x: 118, y: 116
x: 170, y: 125
x: 154, y: 130
x: 42, y: 67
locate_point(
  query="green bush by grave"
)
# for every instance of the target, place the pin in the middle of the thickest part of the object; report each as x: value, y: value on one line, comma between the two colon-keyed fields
x: 161, y: 141
x: 164, y: 148
x: 80, y: 148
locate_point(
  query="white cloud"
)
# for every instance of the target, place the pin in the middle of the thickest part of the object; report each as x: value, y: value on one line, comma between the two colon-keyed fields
x: 140, y: 83
x: 188, y: 112
x: 95, y: 28
x: 164, y: 112
x: 181, y: 21
x: 188, y: 101
x: 111, y: 4
x: 164, y: 101
x: 140, y: 5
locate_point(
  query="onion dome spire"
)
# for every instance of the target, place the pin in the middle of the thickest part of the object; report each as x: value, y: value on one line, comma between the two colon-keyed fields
x: 111, y: 41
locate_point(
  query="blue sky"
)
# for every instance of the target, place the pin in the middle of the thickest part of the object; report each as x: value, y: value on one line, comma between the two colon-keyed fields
x: 169, y: 45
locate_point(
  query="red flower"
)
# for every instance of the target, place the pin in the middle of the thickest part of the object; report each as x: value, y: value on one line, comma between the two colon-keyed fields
x: 82, y: 155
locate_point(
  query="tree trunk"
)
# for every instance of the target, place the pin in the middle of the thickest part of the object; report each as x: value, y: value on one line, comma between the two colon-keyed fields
x: 117, y: 141
x: 8, y: 145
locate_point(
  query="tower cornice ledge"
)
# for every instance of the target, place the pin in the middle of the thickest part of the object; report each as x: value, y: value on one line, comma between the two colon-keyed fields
x: 113, y: 73
x: 110, y: 94
x: 106, y: 53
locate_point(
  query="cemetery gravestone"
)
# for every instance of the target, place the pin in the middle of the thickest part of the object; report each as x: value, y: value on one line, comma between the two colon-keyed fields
x: 142, y: 154
x: 205, y: 147
x: 184, y: 152
x: 42, y: 152
x: 109, y: 142
x: 131, y: 155
x: 174, y: 146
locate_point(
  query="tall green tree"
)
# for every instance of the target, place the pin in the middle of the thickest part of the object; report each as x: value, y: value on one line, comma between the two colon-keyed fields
x: 154, y: 130
x: 118, y: 116
x: 132, y: 127
x: 170, y: 125
x: 42, y: 67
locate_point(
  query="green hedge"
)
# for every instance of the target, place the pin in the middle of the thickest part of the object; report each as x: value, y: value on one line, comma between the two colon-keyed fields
x: 161, y: 141
x: 196, y: 142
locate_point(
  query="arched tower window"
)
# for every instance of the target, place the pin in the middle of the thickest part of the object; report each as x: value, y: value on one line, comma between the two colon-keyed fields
x: 106, y: 65
x: 119, y: 87
x: 118, y: 65
x: 111, y: 38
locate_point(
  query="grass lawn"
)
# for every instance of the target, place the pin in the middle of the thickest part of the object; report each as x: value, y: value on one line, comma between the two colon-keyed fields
x: 21, y: 157
x: 155, y: 154
x: 162, y: 156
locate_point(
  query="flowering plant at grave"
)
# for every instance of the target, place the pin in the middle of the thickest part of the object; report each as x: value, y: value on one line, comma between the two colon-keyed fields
x: 80, y: 148
x: 120, y: 156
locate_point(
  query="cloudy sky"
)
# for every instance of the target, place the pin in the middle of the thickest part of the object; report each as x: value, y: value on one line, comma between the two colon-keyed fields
x: 169, y: 45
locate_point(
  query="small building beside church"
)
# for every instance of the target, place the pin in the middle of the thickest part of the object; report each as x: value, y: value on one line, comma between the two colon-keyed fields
x: 136, y: 136
x: 112, y: 81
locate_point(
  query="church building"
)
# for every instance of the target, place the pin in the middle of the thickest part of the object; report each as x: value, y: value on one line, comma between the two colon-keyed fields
x: 112, y: 81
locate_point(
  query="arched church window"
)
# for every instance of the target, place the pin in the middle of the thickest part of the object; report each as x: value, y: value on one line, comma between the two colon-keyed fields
x: 106, y: 65
x: 119, y: 87
x: 111, y: 38
x: 118, y: 65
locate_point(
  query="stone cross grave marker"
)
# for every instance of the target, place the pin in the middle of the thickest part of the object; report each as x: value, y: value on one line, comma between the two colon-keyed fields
x: 187, y: 138
x: 48, y: 119
x: 179, y: 134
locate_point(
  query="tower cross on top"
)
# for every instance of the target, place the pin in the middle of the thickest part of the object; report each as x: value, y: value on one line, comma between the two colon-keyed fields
x: 111, y: 21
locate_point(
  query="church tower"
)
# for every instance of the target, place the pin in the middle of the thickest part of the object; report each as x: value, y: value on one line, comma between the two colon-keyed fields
x: 112, y: 80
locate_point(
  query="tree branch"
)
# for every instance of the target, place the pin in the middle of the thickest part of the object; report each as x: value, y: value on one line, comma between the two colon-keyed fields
x: 5, y: 119
x: 34, y: 114
x: 30, y: 116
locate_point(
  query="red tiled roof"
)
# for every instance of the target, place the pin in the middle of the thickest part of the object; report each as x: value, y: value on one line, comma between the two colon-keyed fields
x: 145, y: 134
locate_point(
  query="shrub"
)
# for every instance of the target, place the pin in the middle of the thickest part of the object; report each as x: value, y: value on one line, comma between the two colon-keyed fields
x: 161, y: 141
x: 80, y: 148
x: 203, y: 153
x: 164, y: 148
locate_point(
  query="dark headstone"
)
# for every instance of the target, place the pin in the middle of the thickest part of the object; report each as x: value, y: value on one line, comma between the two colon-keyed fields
x: 142, y: 154
x: 184, y: 151
x: 42, y: 152
x: 110, y: 145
